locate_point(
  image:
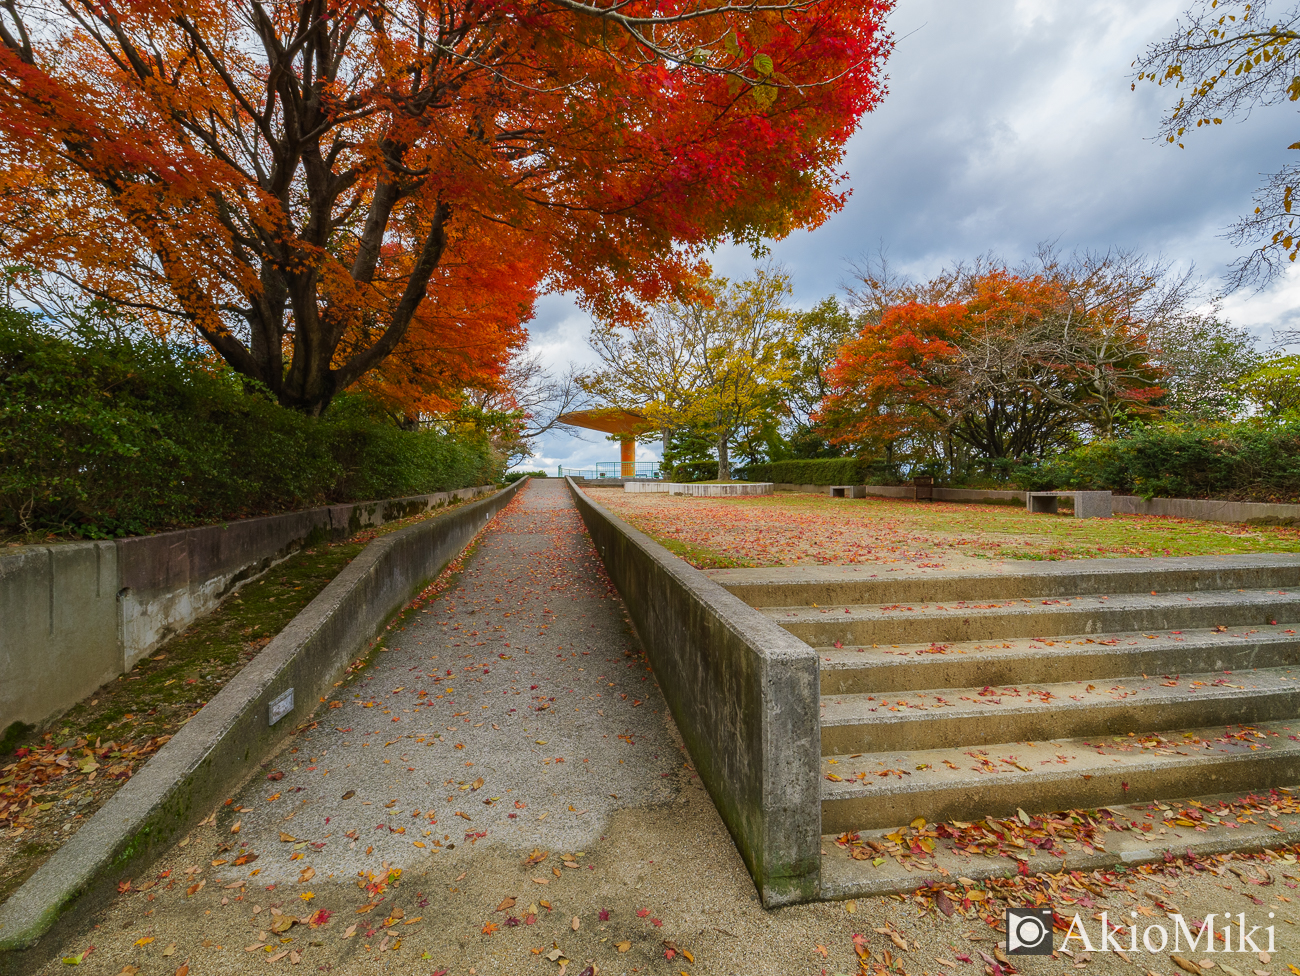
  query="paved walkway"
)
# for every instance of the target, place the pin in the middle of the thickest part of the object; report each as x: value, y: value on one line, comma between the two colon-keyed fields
x: 513, y: 714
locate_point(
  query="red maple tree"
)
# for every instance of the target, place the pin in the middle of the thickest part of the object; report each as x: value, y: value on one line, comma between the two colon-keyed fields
x: 335, y: 191
x: 1009, y: 364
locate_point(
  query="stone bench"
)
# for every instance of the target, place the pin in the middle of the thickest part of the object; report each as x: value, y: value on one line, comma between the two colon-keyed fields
x: 1087, y: 504
x: 848, y: 491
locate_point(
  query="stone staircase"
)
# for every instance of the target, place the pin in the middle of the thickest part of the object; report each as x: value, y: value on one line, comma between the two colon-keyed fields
x: 1044, y: 686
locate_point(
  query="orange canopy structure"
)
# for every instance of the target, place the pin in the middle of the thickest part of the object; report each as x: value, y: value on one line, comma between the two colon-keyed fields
x: 612, y: 420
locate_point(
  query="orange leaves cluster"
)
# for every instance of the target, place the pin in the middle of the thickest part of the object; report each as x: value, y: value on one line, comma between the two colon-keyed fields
x: 351, y: 192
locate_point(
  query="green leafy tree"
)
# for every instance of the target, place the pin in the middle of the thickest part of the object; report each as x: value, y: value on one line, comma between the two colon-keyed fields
x: 822, y: 331
x: 1273, y: 388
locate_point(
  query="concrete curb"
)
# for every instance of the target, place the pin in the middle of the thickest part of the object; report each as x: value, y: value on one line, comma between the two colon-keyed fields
x: 225, y: 741
x: 745, y: 695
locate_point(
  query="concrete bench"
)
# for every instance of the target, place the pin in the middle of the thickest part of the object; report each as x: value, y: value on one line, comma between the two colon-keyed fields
x: 1087, y: 504
x: 848, y: 491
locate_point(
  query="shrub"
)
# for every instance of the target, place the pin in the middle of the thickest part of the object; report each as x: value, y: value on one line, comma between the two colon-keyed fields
x: 697, y: 471
x: 816, y: 471
x: 1247, y: 460
x: 104, y: 435
x: 512, y: 476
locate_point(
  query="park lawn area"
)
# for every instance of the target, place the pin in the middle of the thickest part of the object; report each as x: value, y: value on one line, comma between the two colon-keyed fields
x: 791, y: 529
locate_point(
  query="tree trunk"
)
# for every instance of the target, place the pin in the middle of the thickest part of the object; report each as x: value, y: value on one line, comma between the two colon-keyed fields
x: 724, y: 466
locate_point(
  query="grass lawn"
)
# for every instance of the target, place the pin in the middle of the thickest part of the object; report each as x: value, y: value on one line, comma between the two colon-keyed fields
x: 790, y: 529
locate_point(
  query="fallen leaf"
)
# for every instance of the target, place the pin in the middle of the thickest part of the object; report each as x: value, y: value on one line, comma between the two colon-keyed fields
x: 507, y: 902
x: 350, y: 931
x: 1186, y: 965
x: 288, y: 838
x: 574, y: 924
x: 306, y: 875
x: 144, y: 941
x: 183, y: 969
x: 171, y: 949
x: 348, y: 795
x: 234, y: 829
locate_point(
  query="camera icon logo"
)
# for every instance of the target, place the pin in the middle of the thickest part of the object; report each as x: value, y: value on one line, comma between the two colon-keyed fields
x: 1029, y: 931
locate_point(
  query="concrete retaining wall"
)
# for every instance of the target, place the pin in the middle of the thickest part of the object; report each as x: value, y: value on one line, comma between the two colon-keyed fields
x: 76, y: 615
x: 1206, y: 509
x: 745, y: 695
x: 1209, y: 509
x: 225, y: 741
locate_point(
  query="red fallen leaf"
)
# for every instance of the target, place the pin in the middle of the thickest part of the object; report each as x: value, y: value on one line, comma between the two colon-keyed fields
x: 656, y: 923
x: 275, y: 776
x: 642, y: 912
x: 604, y: 914
x: 123, y: 887
x: 944, y: 903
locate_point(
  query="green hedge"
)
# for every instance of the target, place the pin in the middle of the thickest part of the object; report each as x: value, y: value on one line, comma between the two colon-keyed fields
x: 817, y: 471
x: 103, y: 436
x: 1244, y: 461
x: 697, y: 471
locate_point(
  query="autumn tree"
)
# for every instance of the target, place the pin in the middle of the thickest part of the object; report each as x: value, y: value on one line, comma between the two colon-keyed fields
x: 715, y: 365
x: 1224, y: 59
x: 335, y: 191
x: 1006, y: 364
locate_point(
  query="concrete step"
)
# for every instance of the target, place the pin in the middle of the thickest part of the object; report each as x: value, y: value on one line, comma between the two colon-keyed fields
x: 940, y: 784
x: 970, y: 620
x: 1145, y: 832
x: 904, y: 667
x: 977, y: 716
x: 841, y: 585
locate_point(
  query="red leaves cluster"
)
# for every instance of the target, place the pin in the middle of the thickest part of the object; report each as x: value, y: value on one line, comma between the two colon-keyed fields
x: 335, y: 193
x: 925, y: 366
x: 21, y: 781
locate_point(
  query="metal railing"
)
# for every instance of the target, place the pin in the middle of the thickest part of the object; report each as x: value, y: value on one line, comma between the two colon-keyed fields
x: 615, y: 469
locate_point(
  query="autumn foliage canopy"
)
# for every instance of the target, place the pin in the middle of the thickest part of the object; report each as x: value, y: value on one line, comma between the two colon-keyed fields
x: 335, y: 192
x: 1010, y: 365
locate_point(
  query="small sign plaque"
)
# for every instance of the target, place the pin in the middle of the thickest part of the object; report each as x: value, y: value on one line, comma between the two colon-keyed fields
x: 280, y: 706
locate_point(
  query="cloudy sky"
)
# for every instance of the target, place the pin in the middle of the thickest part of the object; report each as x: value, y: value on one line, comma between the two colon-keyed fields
x: 1009, y: 123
